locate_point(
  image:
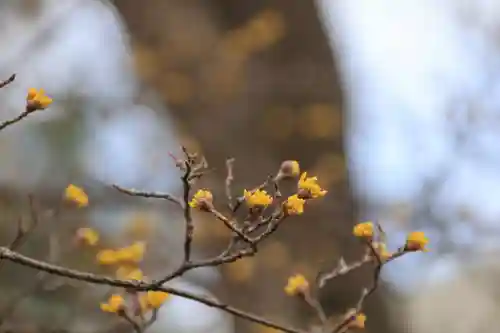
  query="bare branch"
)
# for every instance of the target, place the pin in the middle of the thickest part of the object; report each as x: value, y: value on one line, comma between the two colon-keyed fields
x: 8, y: 81
x: 374, y: 255
x: 17, y: 119
x: 316, y: 306
x: 232, y: 226
x: 155, y: 195
x: 189, y: 227
x: 20, y: 259
x: 137, y: 327
x: 229, y: 182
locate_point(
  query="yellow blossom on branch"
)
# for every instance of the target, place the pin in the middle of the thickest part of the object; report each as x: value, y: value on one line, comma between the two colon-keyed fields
x: 309, y: 187
x: 202, y: 199
x: 88, y: 236
x: 37, y: 100
x: 153, y: 299
x: 107, y: 257
x: 257, y: 198
x: 132, y: 254
x: 297, y: 284
x: 416, y: 241
x: 126, y: 255
x: 115, y: 304
x: 77, y: 195
x: 363, y: 230
x: 129, y: 273
x: 294, y: 205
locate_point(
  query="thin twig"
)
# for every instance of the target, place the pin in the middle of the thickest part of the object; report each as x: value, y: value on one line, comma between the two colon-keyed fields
x: 17, y: 119
x: 8, y: 81
x: 343, y: 269
x: 155, y: 195
x: 137, y: 327
x: 189, y: 227
x: 316, y: 306
x: 152, y: 319
x: 232, y: 226
x: 41, y: 276
x: 379, y: 263
x: 229, y: 182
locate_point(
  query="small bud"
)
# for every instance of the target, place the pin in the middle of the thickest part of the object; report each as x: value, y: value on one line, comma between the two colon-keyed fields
x: 289, y: 169
x: 356, y: 319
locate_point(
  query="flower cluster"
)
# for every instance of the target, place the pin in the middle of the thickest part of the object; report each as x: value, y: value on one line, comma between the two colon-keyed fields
x: 415, y: 241
x: 151, y: 300
x: 259, y: 199
x: 128, y: 255
x: 377, y: 249
x: 125, y: 259
x: 266, y: 207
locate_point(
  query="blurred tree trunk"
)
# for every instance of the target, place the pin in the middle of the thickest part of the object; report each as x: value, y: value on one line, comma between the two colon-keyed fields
x: 256, y: 80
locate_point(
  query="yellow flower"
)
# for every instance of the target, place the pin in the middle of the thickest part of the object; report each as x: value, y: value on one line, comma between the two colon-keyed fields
x: 257, y: 198
x: 309, y: 187
x: 297, y: 284
x: 107, y: 257
x: 129, y: 273
x: 154, y: 299
x: 294, y: 205
x: 77, y: 195
x: 115, y: 304
x: 202, y: 200
x: 132, y: 254
x: 363, y: 230
x: 357, y: 321
x: 37, y: 100
x: 88, y: 235
x: 416, y: 241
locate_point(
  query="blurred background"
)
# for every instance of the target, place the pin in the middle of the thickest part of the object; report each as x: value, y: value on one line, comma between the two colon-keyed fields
x: 393, y: 105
